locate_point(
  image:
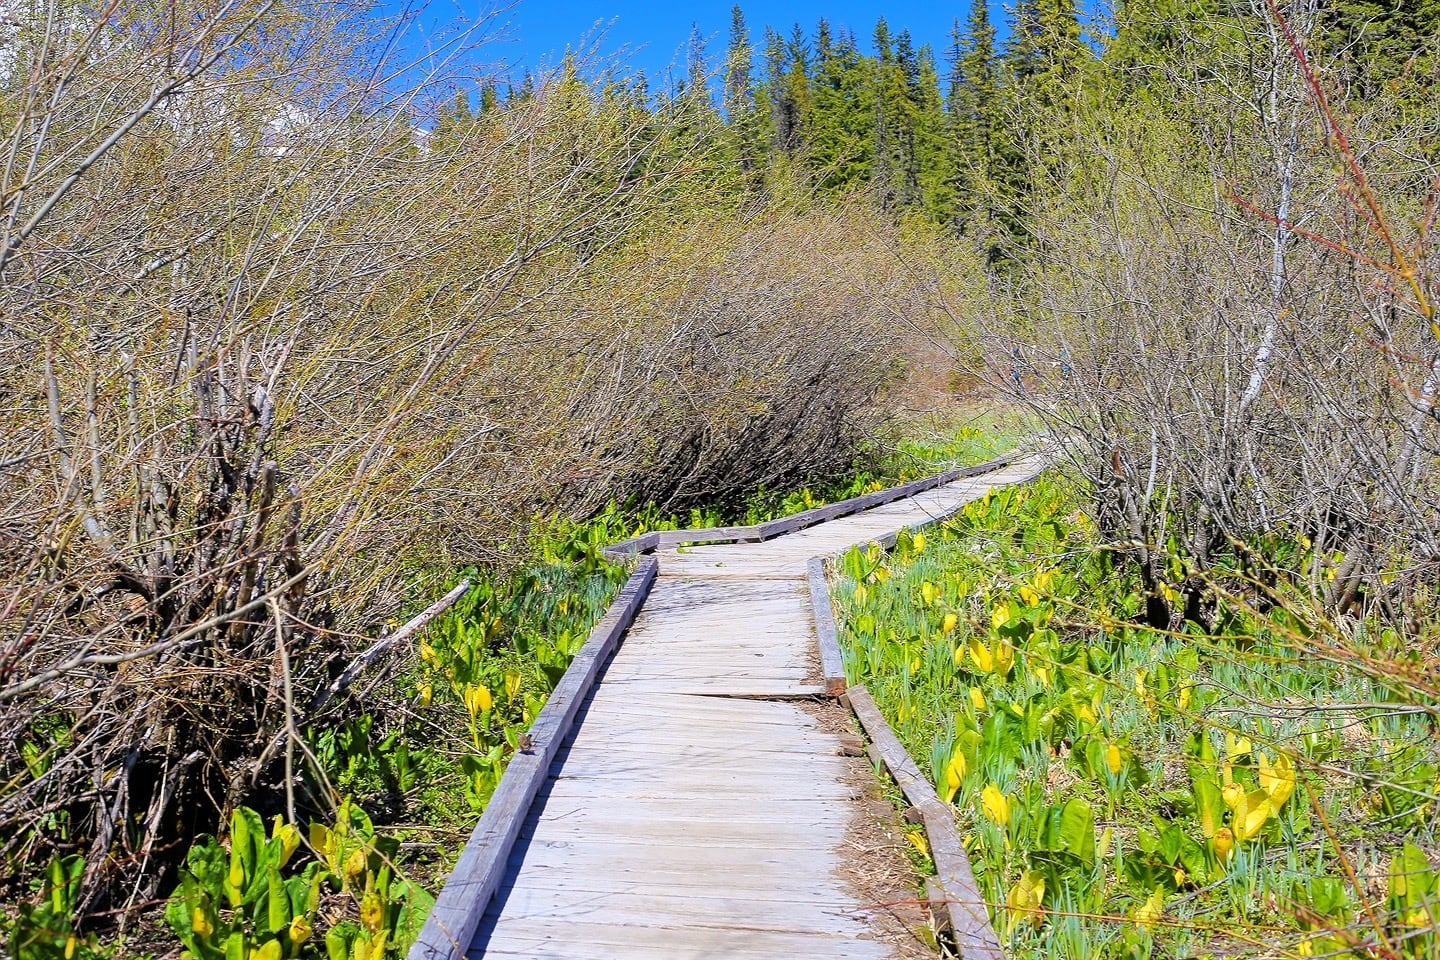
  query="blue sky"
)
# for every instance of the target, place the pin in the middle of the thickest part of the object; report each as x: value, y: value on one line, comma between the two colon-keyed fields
x: 649, y: 35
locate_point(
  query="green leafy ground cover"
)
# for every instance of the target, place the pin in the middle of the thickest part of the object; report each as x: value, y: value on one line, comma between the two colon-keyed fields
x: 1265, y: 787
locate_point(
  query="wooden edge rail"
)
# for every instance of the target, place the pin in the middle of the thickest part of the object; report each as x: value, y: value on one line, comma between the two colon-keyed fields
x: 809, y: 518
x: 832, y: 665
x: 666, y: 539
x: 888, y: 541
x: 959, y: 895
x: 451, y: 927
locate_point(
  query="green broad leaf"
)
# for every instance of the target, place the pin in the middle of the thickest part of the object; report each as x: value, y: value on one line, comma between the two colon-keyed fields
x: 1077, y: 830
x: 1172, y: 841
x: 277, y: 913
x: 415, y: 907
x: 1412, y: 879
x: 338, y: 940
x: 1095, y: 757
x: 1193, y: 859
x: 1099, y: 658
x: 1326, y: 896
x: 1209, y: 800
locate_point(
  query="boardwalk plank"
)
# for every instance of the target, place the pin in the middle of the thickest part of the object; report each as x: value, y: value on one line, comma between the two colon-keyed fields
x: 684, y: 817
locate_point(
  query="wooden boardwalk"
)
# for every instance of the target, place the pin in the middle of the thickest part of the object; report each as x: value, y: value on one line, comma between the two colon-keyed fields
x: 698, y: 809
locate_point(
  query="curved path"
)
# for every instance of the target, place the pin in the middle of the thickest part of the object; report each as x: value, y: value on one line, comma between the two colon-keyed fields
x: 697, y: 809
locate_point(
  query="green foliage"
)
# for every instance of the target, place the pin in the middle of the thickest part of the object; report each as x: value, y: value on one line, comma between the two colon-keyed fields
x: 243, y: 903
x: 45, y: 930
x: 1136, y: 792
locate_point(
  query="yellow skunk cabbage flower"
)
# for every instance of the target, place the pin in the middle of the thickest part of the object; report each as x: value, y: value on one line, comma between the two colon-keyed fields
x: 949, y: 623
x: 917, y: 840
x: 1113, y: 760
x: 1233, y: 794
x: 954, y: 776
x: 928, y: 592
x: 1004, y: 657
x: 860, y: 594
x: 1102, y: 846
x: 983, y: 659
x: 977, y: 699
x: 355, y: 866
x: 918, y: 543
x: 512, y: 685
x: 427, y: 693
x: 1000, y: 615
x: 372, y: 912
x: 1151, y: 910
x: 1028, y: 596
x: 1250, y: 815
x: 1224, y: 843
x: 289, y: 837
x: 1277, y: 781
x: 1236, y: 748
x: 301, y: 930
x: 1026, y: 899
x: 996, y: 805
x: 478, y: 699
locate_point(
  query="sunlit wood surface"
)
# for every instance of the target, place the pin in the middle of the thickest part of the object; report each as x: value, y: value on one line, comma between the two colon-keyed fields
x: 697, y: 812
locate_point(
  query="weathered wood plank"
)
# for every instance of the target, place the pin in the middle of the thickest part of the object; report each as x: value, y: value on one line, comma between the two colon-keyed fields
x: 645, y: 543
x: 609, y: 941
x: 832, y: 665
x: 674, y: 788
x: 448, y: 932
x: 969, y: 918
x: 715, y: 911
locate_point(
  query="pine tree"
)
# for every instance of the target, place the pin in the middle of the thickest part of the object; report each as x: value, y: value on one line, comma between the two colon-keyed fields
x: 799, y: 100
x: 842, y: 129
x: 887, y: 85
x: 773, y: 92
x: 489, y: 98
x: 1385, y: 48
x: 903, y: 94
x: 932, y: 149
x: 692, y: 111
x: 973, y: 109
x: 742, y: 114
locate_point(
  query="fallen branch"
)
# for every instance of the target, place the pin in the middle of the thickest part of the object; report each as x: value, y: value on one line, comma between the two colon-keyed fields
x: 383, y: 646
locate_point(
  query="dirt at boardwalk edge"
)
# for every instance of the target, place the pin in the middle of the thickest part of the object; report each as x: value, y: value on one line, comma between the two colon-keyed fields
x: 876, y: 863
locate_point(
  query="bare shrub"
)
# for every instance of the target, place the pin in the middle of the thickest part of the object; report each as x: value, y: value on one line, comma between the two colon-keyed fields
x: 1222, y: 376
x: 269, y: 352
